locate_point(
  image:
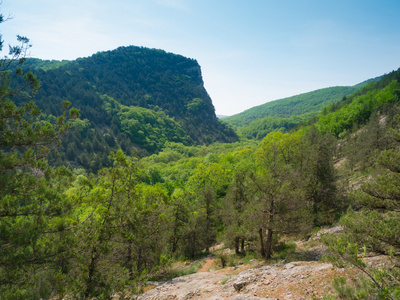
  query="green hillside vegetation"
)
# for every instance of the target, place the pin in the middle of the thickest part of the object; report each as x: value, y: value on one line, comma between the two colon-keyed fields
x: 45, y: 65
x: 84, y: 233
x: 307, y: 103
x: 342, y: 117
x: 134, y: 76
x: 157, y: 96
x: 146, y: 127
x: 362, y: 103
x: 262, y: 127
x: 288, y: 113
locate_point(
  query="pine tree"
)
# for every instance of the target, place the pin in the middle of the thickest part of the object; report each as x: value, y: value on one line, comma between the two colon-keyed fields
x: 376, y: 227
x: 278, y: 206
x: 33, y: 239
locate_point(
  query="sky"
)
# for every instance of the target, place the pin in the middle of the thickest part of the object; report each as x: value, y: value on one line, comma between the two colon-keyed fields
x: 250, y: 51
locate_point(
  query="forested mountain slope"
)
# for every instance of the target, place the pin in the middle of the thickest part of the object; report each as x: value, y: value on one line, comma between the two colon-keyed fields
x: 285, y: 114
x: 311, y: 102
x: 132, y: 98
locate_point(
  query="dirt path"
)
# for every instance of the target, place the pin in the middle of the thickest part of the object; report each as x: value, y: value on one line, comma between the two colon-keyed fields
x: 208, y: 264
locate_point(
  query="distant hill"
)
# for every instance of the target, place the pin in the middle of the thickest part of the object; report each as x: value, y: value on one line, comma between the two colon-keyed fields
x: 375, y: 99
x: 286, y: 113
x: 132, y: 97
x: 295, y: 105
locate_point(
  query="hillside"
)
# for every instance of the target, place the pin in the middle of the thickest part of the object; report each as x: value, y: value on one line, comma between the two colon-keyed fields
x: 311, y: 102
x: 285, y: 114
x: 156, y: 97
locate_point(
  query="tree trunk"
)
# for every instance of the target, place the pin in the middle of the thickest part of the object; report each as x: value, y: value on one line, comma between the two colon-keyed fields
x: 139, y: 260
x: 174, y: 240
x: 175, y: 234
x: 174, y: 245
x: 130, y: 266
x: 268, y: 250
x: 236, y: 245
x: 268, y: 246
x: 262, y: 249
x: 242, y: 246
x: 91, y: 271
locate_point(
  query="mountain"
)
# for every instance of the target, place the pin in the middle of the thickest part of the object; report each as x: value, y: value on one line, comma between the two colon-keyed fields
x: 132, y: 97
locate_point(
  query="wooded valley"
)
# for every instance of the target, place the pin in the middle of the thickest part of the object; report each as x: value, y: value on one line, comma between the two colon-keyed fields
x: 115, y: 166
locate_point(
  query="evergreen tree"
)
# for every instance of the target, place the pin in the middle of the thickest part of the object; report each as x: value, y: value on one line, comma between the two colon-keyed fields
x: 279, y: 206
x: 33, y: 237
x: 375, y: 228
x: 233, y: 211
x: 319, y: 176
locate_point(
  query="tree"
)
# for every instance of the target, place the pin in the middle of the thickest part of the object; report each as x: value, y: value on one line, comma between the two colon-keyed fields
x: 179, y: 211
x: 279, y: 206
x: 33, y: 237
x: 375, y: 227
x: 319, y: 176
x: 233, y: 211
x: 122, y: 232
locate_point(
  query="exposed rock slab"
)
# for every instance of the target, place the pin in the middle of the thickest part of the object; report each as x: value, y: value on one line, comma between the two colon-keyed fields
x: 302, y: 280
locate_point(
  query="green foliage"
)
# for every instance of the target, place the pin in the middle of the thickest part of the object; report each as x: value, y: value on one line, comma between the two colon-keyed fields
x: 146, y: 128
x: 195, y: 105
x: 285, y: 114
x: 279, y: 206
x: 34, y: 241
x: 45, y: 65
x: 234, y: 210
x: 319, y: 176
x: 260, y: 128
x: 179, y: 270
x: 283, y: 250
x: 359, y: 110
x: 211, y: 175
x: 374, y: 228
x: 223, y: 259
x: 358, y: 289
x: 161, y: 93
x: 121, y: 236
x: 359, y: 148
x: 308, y: 103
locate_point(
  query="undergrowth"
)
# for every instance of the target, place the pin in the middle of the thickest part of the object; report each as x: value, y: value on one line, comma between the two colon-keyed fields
x: 178, y: 270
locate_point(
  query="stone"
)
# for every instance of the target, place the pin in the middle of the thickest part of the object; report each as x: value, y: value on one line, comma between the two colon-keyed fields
x: 239, y: 285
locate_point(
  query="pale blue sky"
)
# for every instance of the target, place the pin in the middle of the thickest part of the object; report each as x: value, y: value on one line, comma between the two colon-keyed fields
x: 250, y: 51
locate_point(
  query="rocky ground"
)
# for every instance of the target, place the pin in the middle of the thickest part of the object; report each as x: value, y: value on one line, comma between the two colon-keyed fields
x: 296, y: 280
x: 305, y: 278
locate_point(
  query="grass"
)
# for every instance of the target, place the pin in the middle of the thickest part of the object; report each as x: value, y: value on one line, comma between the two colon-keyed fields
x: 223, y: 259
x: 233, y: 260
x: 191, y: 269
x: 226, y: 279
x: 284, y: 250
x: 179, y: 269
